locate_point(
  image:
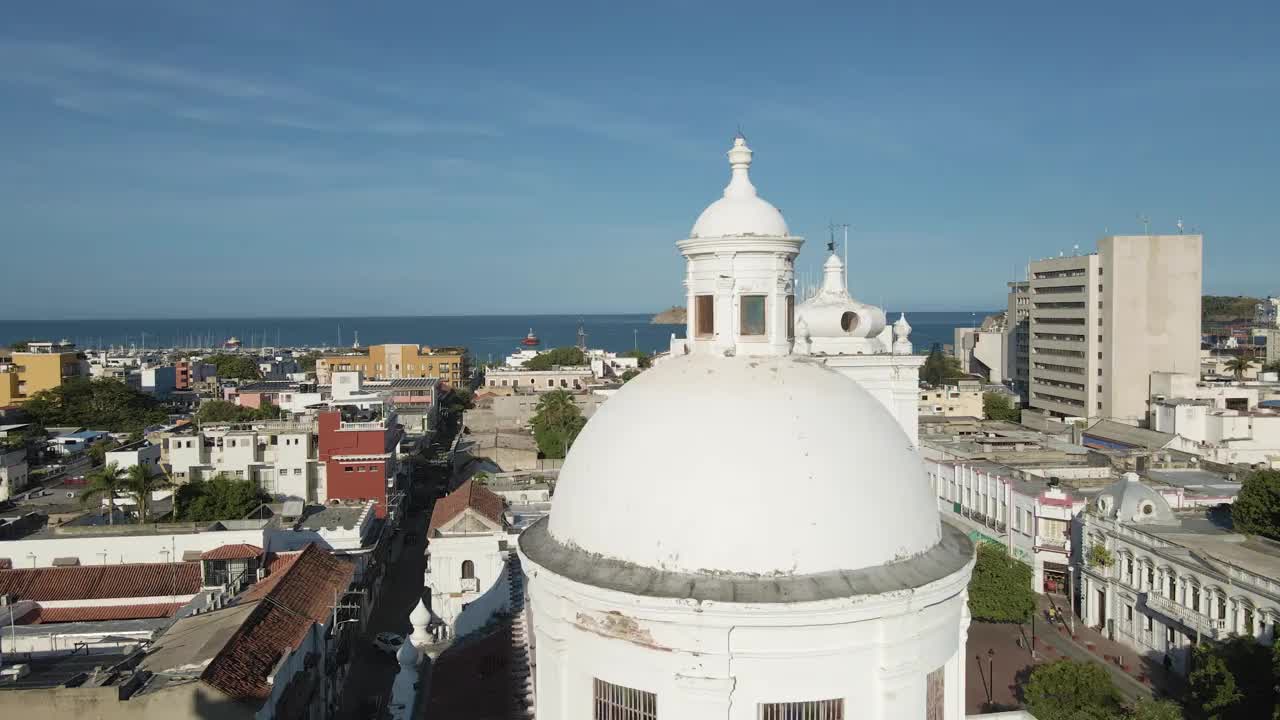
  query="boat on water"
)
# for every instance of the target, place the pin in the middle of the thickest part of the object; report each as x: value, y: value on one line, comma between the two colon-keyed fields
x: 530, y: 340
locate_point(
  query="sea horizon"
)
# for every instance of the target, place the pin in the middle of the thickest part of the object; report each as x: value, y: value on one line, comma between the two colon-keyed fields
x: 484, y: 335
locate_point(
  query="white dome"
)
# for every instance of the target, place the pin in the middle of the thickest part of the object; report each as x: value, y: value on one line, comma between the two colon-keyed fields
x: 774, y: 466
x: 741, y: 212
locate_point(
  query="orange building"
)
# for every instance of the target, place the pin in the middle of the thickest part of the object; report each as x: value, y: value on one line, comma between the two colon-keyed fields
x: 42, y: 366
x: 394, y: 362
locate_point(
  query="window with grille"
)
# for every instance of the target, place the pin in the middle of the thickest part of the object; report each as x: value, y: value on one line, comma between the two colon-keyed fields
x: 804, y: 710
x: 616, y: 702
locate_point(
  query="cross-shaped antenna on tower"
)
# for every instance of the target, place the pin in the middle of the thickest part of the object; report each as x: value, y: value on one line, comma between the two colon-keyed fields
x: 739, y: 133
x: 831, y: 237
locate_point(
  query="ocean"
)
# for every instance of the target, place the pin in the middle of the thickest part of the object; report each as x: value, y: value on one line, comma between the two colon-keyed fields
x: 485, y: 335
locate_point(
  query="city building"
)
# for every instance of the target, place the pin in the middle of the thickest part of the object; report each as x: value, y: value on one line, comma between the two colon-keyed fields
x: 1266, y: 314
x: 654, y: 596
x: 392, y: 362
x: 140, y: 452
x: 1102, y: 323
x: 160, y: 380
x: 963, y: 399
x: 512, y: 380
x: 42, y: 366
x: 13, y: 470
x: 190, y: 373
x: 468, y: 541
x: 1162, y: 581
x: 281, y: 456
x: 273, y: 650
x: 984, y: 350
x: 359, y: 449
x: 1018, y: 343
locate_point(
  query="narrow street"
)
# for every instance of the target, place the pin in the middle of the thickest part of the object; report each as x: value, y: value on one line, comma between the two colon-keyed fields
x: 372, y: 671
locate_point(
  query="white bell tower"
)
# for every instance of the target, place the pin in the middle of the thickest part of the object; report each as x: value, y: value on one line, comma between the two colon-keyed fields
x: 740, y: 276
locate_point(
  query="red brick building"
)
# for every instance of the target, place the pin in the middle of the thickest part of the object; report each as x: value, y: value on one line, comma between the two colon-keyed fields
x: 359, y: 455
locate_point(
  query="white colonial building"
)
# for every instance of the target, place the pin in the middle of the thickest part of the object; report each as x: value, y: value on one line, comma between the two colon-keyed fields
x: 467, y: 548
x: 1161, y: 581
x: 742, y: 532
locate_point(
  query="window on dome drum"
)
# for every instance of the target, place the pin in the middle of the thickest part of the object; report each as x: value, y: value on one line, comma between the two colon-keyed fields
x: 804, y: 710
x: 704, y: 315
x: 616, y: 702
x: 752, y: 321
x: 935, y: 694
x: 849, y: 321
x: 791, y: 317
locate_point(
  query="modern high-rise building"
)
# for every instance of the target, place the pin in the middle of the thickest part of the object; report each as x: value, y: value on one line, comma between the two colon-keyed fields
x: 1101, y: 323
x: 1017, y: 328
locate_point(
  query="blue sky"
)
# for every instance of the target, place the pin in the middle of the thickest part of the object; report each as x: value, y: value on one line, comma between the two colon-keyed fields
x: 167, y: 159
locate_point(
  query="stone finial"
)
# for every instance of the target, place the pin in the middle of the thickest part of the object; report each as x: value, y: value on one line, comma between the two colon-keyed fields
x: 901, y: 333
x: 420, y: 618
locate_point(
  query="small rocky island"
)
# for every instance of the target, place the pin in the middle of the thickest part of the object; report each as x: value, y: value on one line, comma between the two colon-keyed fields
x: 675, y: 315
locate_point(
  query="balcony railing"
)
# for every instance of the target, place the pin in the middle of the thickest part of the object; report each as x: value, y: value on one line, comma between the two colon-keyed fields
x: 469, y: 584
x: 1209, y: 627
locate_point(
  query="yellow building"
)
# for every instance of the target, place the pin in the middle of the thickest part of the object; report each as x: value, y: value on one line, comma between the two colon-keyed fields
x: 43, y: 366
x: 393, y: 362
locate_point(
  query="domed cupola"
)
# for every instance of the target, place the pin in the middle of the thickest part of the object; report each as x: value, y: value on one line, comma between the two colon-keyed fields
x: 1130, y: 501
x: 740, y: 271
x: 832, y: 322
x: 741, y: 212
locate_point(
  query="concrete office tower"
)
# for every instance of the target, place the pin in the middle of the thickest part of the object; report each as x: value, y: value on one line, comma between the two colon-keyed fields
x: 1102, y: 323
x: 1017, y: 344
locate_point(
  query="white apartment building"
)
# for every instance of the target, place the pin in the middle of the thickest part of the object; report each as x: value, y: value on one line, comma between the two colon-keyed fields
x: 1101, y: 323
x: 1169, y: 580
x: 281, y: 456
x: 142, y: 453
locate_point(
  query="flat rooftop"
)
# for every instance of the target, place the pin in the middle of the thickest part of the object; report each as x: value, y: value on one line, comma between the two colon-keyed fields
x: 61, y: 670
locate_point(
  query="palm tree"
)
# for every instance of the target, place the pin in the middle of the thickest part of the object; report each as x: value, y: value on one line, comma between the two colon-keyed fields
x: 1239, y: 364
x: 105, y: 482
x: 140, y: 484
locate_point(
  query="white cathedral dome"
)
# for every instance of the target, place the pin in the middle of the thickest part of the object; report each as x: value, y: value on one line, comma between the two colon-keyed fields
x: 769, y: 466
x: 741, y: 212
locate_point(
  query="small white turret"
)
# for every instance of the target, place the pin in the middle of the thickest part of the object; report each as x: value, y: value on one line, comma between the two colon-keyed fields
x: 901, y: 333
x: 420, y: 618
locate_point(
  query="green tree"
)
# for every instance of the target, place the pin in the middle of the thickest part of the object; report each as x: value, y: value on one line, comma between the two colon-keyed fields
x: 556, y: 357
x: 1000, y: 588
x: 556, y: 423
x: 223, y: 411
x: 220, y: 498
x: 457, y: 400
x: 1239, y: 365
x: 939, y: 368
x: 1099, y: 556
x: 629, y: 374
x: 307, y: 361
x: 1256, y: 510
x: 997, y: 406
x: 234, y: 367
x: 101, y: 404
x: 1149, y: 709
x: 104, y: 482
x: 646, y: 360
x: 1067, y: 689
x: 139, y: 484
x: 1211, y: 688
x: 98, y: 451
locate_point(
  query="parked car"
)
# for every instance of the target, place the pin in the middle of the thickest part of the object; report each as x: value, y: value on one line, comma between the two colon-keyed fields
x: 388, y: 642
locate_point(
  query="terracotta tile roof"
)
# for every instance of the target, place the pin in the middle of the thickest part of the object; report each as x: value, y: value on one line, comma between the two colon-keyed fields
x: 288, y: 603
x: 95, y: 613
x: 280, y: 561
x: 100, y: 582
x: 238, y: 551
x: 468, y: 495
